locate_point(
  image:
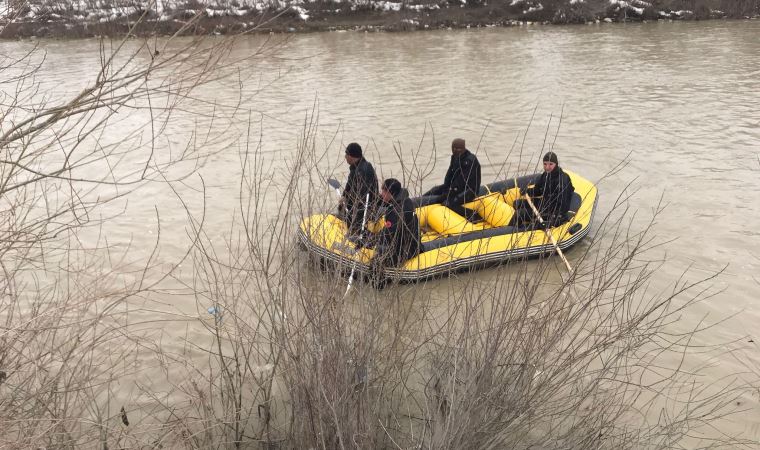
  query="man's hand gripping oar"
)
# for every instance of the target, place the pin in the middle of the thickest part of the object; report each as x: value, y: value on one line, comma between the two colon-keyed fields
x: 548, y: 232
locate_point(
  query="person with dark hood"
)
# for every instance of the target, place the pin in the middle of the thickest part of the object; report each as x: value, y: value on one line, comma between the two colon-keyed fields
x: 462, y: 182
x: 399, y: 238
x: 551, y: 194
x: 361, y: 181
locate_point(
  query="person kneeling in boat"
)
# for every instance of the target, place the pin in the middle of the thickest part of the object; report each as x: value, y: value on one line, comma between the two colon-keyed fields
x: 399, y: 237
x: 462, y: 182
x: 551, y: 194
x: 361, y: 181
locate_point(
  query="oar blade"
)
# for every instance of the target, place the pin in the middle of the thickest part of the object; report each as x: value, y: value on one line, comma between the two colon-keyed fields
x: 335, y: 184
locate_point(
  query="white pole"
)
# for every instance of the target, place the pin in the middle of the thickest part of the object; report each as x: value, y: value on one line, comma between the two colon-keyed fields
x: 361, y: 232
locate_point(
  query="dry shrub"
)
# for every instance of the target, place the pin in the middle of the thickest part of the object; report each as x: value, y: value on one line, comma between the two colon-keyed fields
x: 574, y: 13
x: 66, y: 334
x: 514, y: 357
x: 739, y: 8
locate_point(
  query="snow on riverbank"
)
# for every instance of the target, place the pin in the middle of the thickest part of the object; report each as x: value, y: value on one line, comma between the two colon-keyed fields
x: 39, y: 17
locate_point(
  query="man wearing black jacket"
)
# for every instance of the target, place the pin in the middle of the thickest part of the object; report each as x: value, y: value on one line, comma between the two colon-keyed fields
x: 399, y: 239
x: 462, y: 182
x: 551, y: 194
x: 361, y: 181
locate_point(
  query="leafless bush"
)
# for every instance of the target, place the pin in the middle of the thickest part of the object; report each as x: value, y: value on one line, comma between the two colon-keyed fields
x: 65, y: 332
x: 739, y: 8
x: 580, y: 12
x: 513, y: 358
x: 517, y: 358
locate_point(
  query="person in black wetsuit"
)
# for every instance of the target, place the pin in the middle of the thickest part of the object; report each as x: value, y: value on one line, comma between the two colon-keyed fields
x: 362, y: 180
x: 551, y: 194
x: 462, y: 182
x: 399, y: 239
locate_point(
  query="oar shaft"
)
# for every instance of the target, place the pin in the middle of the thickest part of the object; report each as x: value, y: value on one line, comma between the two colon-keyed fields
x: 548, y: 233
x: 361, y: 233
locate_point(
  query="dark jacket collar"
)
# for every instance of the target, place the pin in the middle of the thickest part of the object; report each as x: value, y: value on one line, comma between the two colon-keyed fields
x: 399, y: 198
x: 554, y: 173
x: 354, y: 166
x: 465, y: 154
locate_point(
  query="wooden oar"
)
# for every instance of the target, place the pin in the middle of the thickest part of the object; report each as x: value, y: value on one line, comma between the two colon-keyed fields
x: 549, y: 233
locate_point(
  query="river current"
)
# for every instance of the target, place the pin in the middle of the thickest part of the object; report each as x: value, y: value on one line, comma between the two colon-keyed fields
x: 677, y: 103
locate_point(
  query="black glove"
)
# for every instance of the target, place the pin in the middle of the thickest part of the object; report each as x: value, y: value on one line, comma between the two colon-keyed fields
x: 522, y: 191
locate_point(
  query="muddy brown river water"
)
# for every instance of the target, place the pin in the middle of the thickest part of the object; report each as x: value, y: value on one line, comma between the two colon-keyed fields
x: 678, y: 102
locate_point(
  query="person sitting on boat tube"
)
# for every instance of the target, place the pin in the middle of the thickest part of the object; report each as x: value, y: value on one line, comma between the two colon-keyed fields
x: 398, y: 239
x: 551, y: 194
x: 361, y: 181
x: 462, y: 182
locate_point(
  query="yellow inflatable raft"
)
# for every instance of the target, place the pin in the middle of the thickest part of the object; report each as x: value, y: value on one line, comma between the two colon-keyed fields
x: 450, y: 243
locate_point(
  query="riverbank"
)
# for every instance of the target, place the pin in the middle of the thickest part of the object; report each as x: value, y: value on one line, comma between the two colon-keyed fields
x: 56, y: 19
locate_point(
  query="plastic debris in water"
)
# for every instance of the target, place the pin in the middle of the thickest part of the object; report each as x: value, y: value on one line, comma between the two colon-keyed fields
x: 216, y: 312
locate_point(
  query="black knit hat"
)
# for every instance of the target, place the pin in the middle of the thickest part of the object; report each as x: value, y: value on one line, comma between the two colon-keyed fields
x: 551, y: 157
x: 393, y: 186
x: 355, y: 150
